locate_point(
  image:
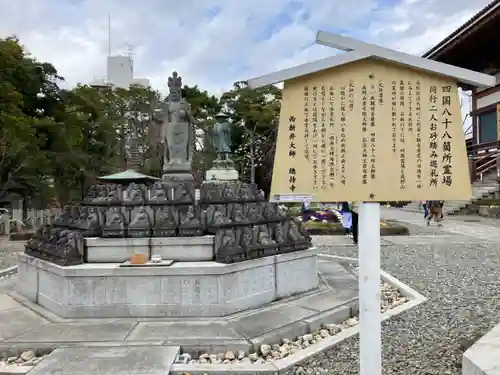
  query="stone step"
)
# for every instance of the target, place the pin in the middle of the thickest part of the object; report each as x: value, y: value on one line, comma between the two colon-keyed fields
x: 111, y: 360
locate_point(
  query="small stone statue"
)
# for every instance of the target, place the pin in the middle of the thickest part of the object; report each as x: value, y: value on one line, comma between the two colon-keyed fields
x: 237, y: 214
x: 135, y: 194
x: 221, y: 136
x: 158, y: 193
x: 81, y: 220
x: 246, y: 237
x: 115, y: 223
x: 92, y: 193
x: 177, y: 132
x: 226, y: 247
x: 277, y: 233
x: 64, y: 219
x: 94, y: 223
x: 262, y: 235
x: 75, y: 241
x: 183, y: 193
x: 140, y: 223
x: 102, y: 194
x: 114, y: 194
x: 166, y: 220
x: 190, y: 223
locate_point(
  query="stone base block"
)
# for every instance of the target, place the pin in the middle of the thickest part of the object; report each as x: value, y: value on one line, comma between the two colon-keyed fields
x: 182, y: 249
x: 184, y: 289
x: 115, y: 250
x: 216, y: 174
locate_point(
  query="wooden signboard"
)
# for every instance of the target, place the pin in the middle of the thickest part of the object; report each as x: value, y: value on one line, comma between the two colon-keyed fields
x: 370, y: 130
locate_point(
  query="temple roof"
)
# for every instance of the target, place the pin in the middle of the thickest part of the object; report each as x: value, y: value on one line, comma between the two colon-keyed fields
x: 128, y: 175
x: 466, y: 28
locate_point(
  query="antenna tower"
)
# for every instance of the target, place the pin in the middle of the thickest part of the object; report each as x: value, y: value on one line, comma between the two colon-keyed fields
x: 109, y: 34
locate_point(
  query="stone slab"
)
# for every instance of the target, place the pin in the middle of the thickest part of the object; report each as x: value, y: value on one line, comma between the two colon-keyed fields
x: 184, y: 249
x: 269, y: 319
x: 8, y: 284
x: 115, y: 250
x: 108, y: 361
x: 335, y: 315
x: 326, y: 300
x: 71, y: 332
x: 191, y: 335
x: 161, y: 263
x: 296, y: 273
x: 14, y: 322
x: 14, y: 369
x: 7, y: 303
x: 482, y: 358
x: 215, y: 174
x: 327, y: 267
x: 345, y: 284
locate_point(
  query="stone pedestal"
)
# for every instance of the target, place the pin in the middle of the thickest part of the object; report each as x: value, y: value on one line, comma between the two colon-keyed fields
x: 221, y: 174
x: 175, y: 176
x: 184, y: 289
x: 180, y: 249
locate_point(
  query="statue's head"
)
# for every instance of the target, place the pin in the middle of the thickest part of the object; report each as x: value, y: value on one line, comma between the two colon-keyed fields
x: 175, y: 86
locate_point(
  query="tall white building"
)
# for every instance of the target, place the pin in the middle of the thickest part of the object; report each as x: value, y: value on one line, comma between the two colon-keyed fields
x: 120, y: 73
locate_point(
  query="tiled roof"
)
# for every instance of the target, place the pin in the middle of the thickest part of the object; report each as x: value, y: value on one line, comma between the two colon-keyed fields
x: 470, y: 23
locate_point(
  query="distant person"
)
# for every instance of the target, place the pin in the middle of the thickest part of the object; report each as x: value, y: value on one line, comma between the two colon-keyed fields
x: 424, y: 206
x: 304, y: 208
x: 354, y: 206
x: 435, y: 212
x: 346, y: 217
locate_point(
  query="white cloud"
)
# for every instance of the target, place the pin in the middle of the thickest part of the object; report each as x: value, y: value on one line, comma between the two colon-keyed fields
x: 213, y: 43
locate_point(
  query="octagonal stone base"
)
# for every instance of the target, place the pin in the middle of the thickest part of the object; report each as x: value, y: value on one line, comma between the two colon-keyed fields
x: 184, y: 289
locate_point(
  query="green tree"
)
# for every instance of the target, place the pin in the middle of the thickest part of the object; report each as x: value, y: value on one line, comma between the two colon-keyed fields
x: 30, y: 108
x: 255, y: 115
x: 204, y: 107
x: 94, y: 151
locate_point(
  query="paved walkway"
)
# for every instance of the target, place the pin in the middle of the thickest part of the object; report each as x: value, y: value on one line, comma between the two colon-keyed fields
x: 469, y: 229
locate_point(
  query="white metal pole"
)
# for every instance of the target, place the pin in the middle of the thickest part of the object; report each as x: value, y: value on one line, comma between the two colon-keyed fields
x: 370, y: 351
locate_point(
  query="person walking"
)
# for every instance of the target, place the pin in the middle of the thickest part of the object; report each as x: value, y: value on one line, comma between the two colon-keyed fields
x: 424, y: 206
x: 354, y: 206
x: 346, y: 217
x: 304, y: 209
x: 435, y: 212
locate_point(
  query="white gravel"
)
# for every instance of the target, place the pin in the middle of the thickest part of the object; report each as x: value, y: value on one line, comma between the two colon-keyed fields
x: 461, y: 282
x: 390, y: 298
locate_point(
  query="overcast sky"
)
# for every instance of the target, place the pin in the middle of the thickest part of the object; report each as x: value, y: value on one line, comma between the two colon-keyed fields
x: 213, y: 43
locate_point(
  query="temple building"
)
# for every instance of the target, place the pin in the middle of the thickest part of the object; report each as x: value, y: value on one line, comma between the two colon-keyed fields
x: 476, y: 46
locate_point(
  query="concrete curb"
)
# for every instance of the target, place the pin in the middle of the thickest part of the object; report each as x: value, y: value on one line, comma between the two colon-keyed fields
x: 482, y: 357
x: 281, y: 365
x: 8, y: 271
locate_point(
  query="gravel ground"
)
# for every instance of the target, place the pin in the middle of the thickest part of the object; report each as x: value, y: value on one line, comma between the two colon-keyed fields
x: 464, y: 303
x: 417, y: 230
x: 8, y: 249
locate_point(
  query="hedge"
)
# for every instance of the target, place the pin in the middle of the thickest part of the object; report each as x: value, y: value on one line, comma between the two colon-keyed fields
x: 386, y: 229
